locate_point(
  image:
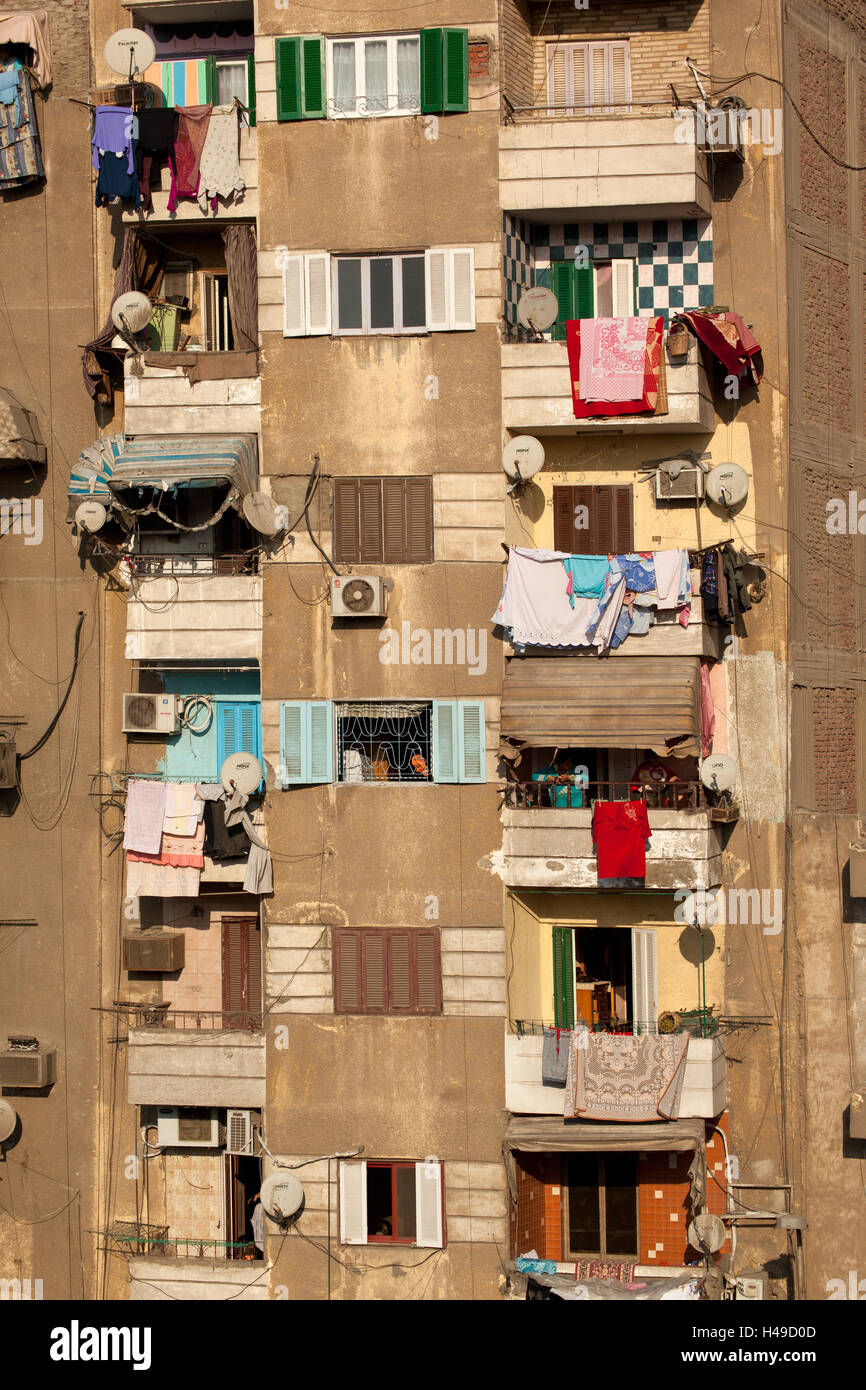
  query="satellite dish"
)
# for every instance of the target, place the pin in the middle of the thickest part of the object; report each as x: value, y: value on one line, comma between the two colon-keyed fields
x: 242, y: 769
x: 719, y: 772
x: 281, y: 1195
x: 260, y: 510
x: 131, y: 312
x: 727, y: 484
x: 129, y: 52
x: 8, y: 1121
x: 90, y: 516
x: 537, y: 309
x: 707, y: 1233
x: 523, y: 457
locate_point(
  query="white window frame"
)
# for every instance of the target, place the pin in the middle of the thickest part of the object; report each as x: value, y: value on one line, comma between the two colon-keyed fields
x: 397, y: 285
x: 392, y: 94
x: 599, y: 104
x: 618, y: 310
x: 235, y: 62
x: 429, y: 1205
x: 449, y: 293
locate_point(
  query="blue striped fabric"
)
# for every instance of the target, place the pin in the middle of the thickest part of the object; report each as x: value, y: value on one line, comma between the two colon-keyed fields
x: 167, y: 460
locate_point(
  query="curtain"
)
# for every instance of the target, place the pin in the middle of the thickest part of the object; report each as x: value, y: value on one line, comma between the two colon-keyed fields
x: 408, y: 75
x: 242, y: 268
x: 140, y: 268
x: 376, y: 74
x: 232, y: 81
x: 344, y: 76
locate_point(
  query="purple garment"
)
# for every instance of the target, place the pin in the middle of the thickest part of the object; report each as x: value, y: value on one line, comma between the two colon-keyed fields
x: 115, y: 130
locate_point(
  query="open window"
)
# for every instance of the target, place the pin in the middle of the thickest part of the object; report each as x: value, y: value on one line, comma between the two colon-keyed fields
x: 388, y: 1202
x: 603, y: 289
x: 605, y: 977
x: 196, y: 305
x: 201, y: 62
x: 601, y: 1216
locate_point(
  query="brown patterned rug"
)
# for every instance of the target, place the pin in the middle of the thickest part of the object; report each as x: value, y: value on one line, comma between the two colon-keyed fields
x: 617, y: 1077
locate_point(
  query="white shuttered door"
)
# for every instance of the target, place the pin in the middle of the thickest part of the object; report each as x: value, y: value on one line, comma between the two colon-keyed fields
x: 318, y: 278
x: 644, y: 977
x: 294, y: 314
x: 428, y: 1204
x: 353, y: 1203
x: 622, y: 288
x: 436, y: 288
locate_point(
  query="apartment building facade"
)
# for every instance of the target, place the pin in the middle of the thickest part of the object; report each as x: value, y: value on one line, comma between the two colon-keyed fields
x: 352, y: 981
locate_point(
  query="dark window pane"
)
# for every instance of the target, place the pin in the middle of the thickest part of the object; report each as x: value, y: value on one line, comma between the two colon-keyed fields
x: 620, y: 1183
x: 584, y: 1229
x: 380, y: 1217
x: 406, y: 1203
x: 349, y: 293
x: 414, y: 309
x: 382, y: 292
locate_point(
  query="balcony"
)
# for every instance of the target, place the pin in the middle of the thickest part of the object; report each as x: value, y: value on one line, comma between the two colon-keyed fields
x: 537, y: 399
x: 602, y: 165
x: 551, y: 847
x: 211, y: 616
x: 188, y: 209
x: 192, y: 1278
x: 195, y: 1058
x: 703, y: 1094
x: 163, y: 399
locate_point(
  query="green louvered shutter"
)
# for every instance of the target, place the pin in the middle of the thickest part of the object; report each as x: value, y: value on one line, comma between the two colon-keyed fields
x: 563, y: 977
x: 445, y: 741
x: 562, y: 276
x: 472, y: 741
x: 455, y: 70
x: 251, y: 87
x: 584, y: 292
x: 313, y: 72
x: 431, y: 70
x: 287, y: 54
x: 210, y: 85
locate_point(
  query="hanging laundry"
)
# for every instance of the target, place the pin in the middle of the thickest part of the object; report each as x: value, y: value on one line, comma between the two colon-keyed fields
x: 620, y: 831
x: 612, y: 359
x: 30, y: 27
x: 710, y: 587
x: 192, y: 127
x: 145, y: 816
x: 181, y: 851
x: 708, y: 711
x: 729, y: 340
x: 601, y: 629
x: 20, y: 153
x: 535, y: 608
x: 222, y: 841
x: 586, y: 575
x: 639, y: 571
x: 669, y: 566
x: 220, y: 161
x: 156, y: 136
x: 161, y: 881
x: 115, y: 131
x: 554, y: 1056
x: 651, y: 397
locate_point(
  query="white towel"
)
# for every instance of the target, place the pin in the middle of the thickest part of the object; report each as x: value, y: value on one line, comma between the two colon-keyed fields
x: 145, y: 816
x: 160, y: 880
x: 183, y: 809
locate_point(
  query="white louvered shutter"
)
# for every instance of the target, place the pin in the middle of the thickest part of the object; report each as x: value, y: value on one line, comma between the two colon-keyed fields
x: 291, y: 742
x: 294, y: 298
x: 620, y: 75
x: 318, y: 293
x: 644, y: 977
x: 353, y: 1202
x: 472, y: 741
x: 445, y: 760
x: 462, y: 289
x: 557, y: 95
x: 436, y: 281
x: 579, y: 96
x: 321, y: 741
x: 622, y: 288
x: 428, y: 1204
x: 598, y: 69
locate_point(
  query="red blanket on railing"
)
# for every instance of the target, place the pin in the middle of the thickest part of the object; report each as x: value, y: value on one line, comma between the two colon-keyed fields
x: 584, y: 410
x: 620, y: 830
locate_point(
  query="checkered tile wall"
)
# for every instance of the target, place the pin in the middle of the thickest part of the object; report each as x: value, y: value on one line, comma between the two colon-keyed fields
x: 674, y: 255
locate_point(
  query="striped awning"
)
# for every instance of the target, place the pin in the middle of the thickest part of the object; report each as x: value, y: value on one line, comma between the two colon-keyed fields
x: 581, y: 702
x: 91, y: 475
x: 168, y: 460
x: 20, y: 440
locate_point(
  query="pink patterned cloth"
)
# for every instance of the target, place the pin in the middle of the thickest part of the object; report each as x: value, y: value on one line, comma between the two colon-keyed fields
x: 708, y: 711
x: 612, y: 359
x: 180, y: 851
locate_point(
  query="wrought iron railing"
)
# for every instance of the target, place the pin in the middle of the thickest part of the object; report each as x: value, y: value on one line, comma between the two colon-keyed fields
x: 143, y: 1014
x: 130, y: 1238
x: 662, y: 105
x: 565, y: 792
x: 153, y: 566
x: 701, y: 1023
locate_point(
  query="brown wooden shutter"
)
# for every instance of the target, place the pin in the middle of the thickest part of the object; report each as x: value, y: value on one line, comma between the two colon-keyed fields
x: 602, y: 527
x: 401, y: 972
x: 564, y: 534
x: 348, y: 997
x: 347, y: 537
x: 374, y: 972
x: 394, y: 520
x: 428, y: 972
x: 370, y: 490
x: 419, y: 521
x: 623, y: 520
x: 241, y: 972
x: 611, y: 521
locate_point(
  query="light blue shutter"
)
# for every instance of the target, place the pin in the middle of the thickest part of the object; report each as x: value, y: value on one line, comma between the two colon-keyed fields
x: 306, y: 742
x: 445, y: 738
x: 239, y: 729
x: 471, y: 742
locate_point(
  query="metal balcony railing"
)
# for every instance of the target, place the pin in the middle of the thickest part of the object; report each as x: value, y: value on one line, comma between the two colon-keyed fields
x: 156, y: 566
x: 130, y: 1238
x: 565, y: 792
x: 162, y: 1015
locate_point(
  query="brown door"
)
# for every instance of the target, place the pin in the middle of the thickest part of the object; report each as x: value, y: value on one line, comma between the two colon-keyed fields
x: 242, y: 973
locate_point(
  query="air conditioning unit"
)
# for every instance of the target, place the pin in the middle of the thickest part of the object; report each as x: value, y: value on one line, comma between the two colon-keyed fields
x: 751, y: 1287
x: 183, y: 1127
x: 150, y: 714
x: 685, y: 487
x: 8, y: 770
x: 28, y: 1067
x: 723, y: 131
x: 358, y: 596
x: 240, y: 1130
x: 157, y: 950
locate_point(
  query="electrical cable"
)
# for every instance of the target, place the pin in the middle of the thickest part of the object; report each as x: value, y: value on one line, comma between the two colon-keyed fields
x: 40, y: 743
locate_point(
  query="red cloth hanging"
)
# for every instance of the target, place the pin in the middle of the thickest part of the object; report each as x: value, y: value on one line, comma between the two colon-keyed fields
x: 620, y: 830
x: 585, y: 410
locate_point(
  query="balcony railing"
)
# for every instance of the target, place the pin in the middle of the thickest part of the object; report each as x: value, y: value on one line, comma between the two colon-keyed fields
x: 134, y: 1238
x: 163, y: 1016
x: 698, y: 1023
x: 154, y: 566
x: 564, y: 792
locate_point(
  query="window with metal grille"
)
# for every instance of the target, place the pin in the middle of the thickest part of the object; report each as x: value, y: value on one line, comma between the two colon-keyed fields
x: 383, y: 521
x: 381, y: 742
x: 602, y: 1204
x: 590, y: 520
x: 388, y: 971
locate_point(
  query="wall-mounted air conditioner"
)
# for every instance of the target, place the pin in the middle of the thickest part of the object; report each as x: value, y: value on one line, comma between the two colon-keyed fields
x: 150, y: 714
x: 720, y: 130
x: 184, y: 1127
x: 28, y: 1067
x: 358, y: 596
x: 154, y: 950
x: 685, y: 487
x: 240, y: 1130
